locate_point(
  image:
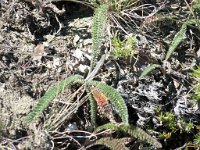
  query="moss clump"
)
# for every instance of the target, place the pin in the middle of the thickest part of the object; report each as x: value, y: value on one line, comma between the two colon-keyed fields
x: 123, y: 48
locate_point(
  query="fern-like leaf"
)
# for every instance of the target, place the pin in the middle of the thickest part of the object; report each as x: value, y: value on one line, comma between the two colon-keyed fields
x: 93, y: 108
x: 148, y: 69
x: 133, y: 131
x: 115, y: 99
x: 141, y: 135
x: 98, y: 27
x: 51, y: 94
x: 113, y: 144
x: 176, y: 41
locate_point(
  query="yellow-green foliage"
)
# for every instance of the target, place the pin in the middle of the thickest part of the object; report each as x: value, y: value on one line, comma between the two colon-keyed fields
x: 123, y: 48
x: 197, y: 139
x: 171, y: 126
x: 132, y: 131
x: 168, y: 120
x: 186, y: 127
x: 196, y: 6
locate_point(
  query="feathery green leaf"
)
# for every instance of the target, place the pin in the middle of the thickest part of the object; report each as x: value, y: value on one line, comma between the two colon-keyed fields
x: 133, y: 131
x: 148, y: 69
x: 50, y: 95
x: 93, y: 107
x: 177, y: 40
x: 115, y: 99
x: 98, y: 27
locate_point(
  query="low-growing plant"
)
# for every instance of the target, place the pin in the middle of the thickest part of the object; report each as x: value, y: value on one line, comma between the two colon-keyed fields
x: 123, y: 48
x: 148, y: 69
x: 197, y: 139
x: 99, y: 22
x: 180, y: 35
x: 196, y: 6
x: 132, y: 131
x: 170, y: 123
x: 99, y: 93
x: 168, y: 120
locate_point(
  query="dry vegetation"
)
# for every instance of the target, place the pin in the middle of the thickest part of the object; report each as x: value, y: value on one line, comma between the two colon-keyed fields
x: 150, y: 71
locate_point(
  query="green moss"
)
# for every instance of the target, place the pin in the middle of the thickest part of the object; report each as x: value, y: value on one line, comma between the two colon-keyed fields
x: 197, y: 138
x: 196, y: 6
x: 168, y: 120
x: 123, y: 48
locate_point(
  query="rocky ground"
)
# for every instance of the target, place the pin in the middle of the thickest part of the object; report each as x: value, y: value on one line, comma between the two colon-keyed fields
x: 42, y: 43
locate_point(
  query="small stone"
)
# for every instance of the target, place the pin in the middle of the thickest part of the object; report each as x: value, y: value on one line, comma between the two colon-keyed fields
x: 56, y: 62
x: 78, y: 54
x: 76, y: 39
x: 83, y: 68
x: 38, y: 52
x: 87, y: 42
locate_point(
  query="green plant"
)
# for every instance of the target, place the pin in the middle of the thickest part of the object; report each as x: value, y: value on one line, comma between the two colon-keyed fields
x: 123, y: 48
x: 98, y: 27
x: 176, y: 41
x: 51, y: 94
x: 99, y: 21
x: 132, y: 131
x: 148, y: 69
x: 168, y: 120
x: 196, y: 74
x: 196, y: 6
x: 180, y: 35
x: 186, y: 127
x: 197, y: 139
x: 110, y: 92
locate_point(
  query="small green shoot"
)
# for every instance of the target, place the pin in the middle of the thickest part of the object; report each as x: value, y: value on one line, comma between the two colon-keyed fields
x: 196, y: 6
x: 177, y: 40
x: 197, y: 139
x: 168, y: 120
x: 123, y: 48
x: 148, y: 69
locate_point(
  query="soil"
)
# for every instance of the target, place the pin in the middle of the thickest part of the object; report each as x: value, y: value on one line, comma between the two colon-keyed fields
x: 42, y: 43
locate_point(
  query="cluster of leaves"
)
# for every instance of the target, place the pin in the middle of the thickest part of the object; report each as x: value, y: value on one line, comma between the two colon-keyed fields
x: 197, y: 139
x: 196, y: 6
x: 123, y: 48
x: 133, y: 131
x: 114, y: 97
x: 168, y: 120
